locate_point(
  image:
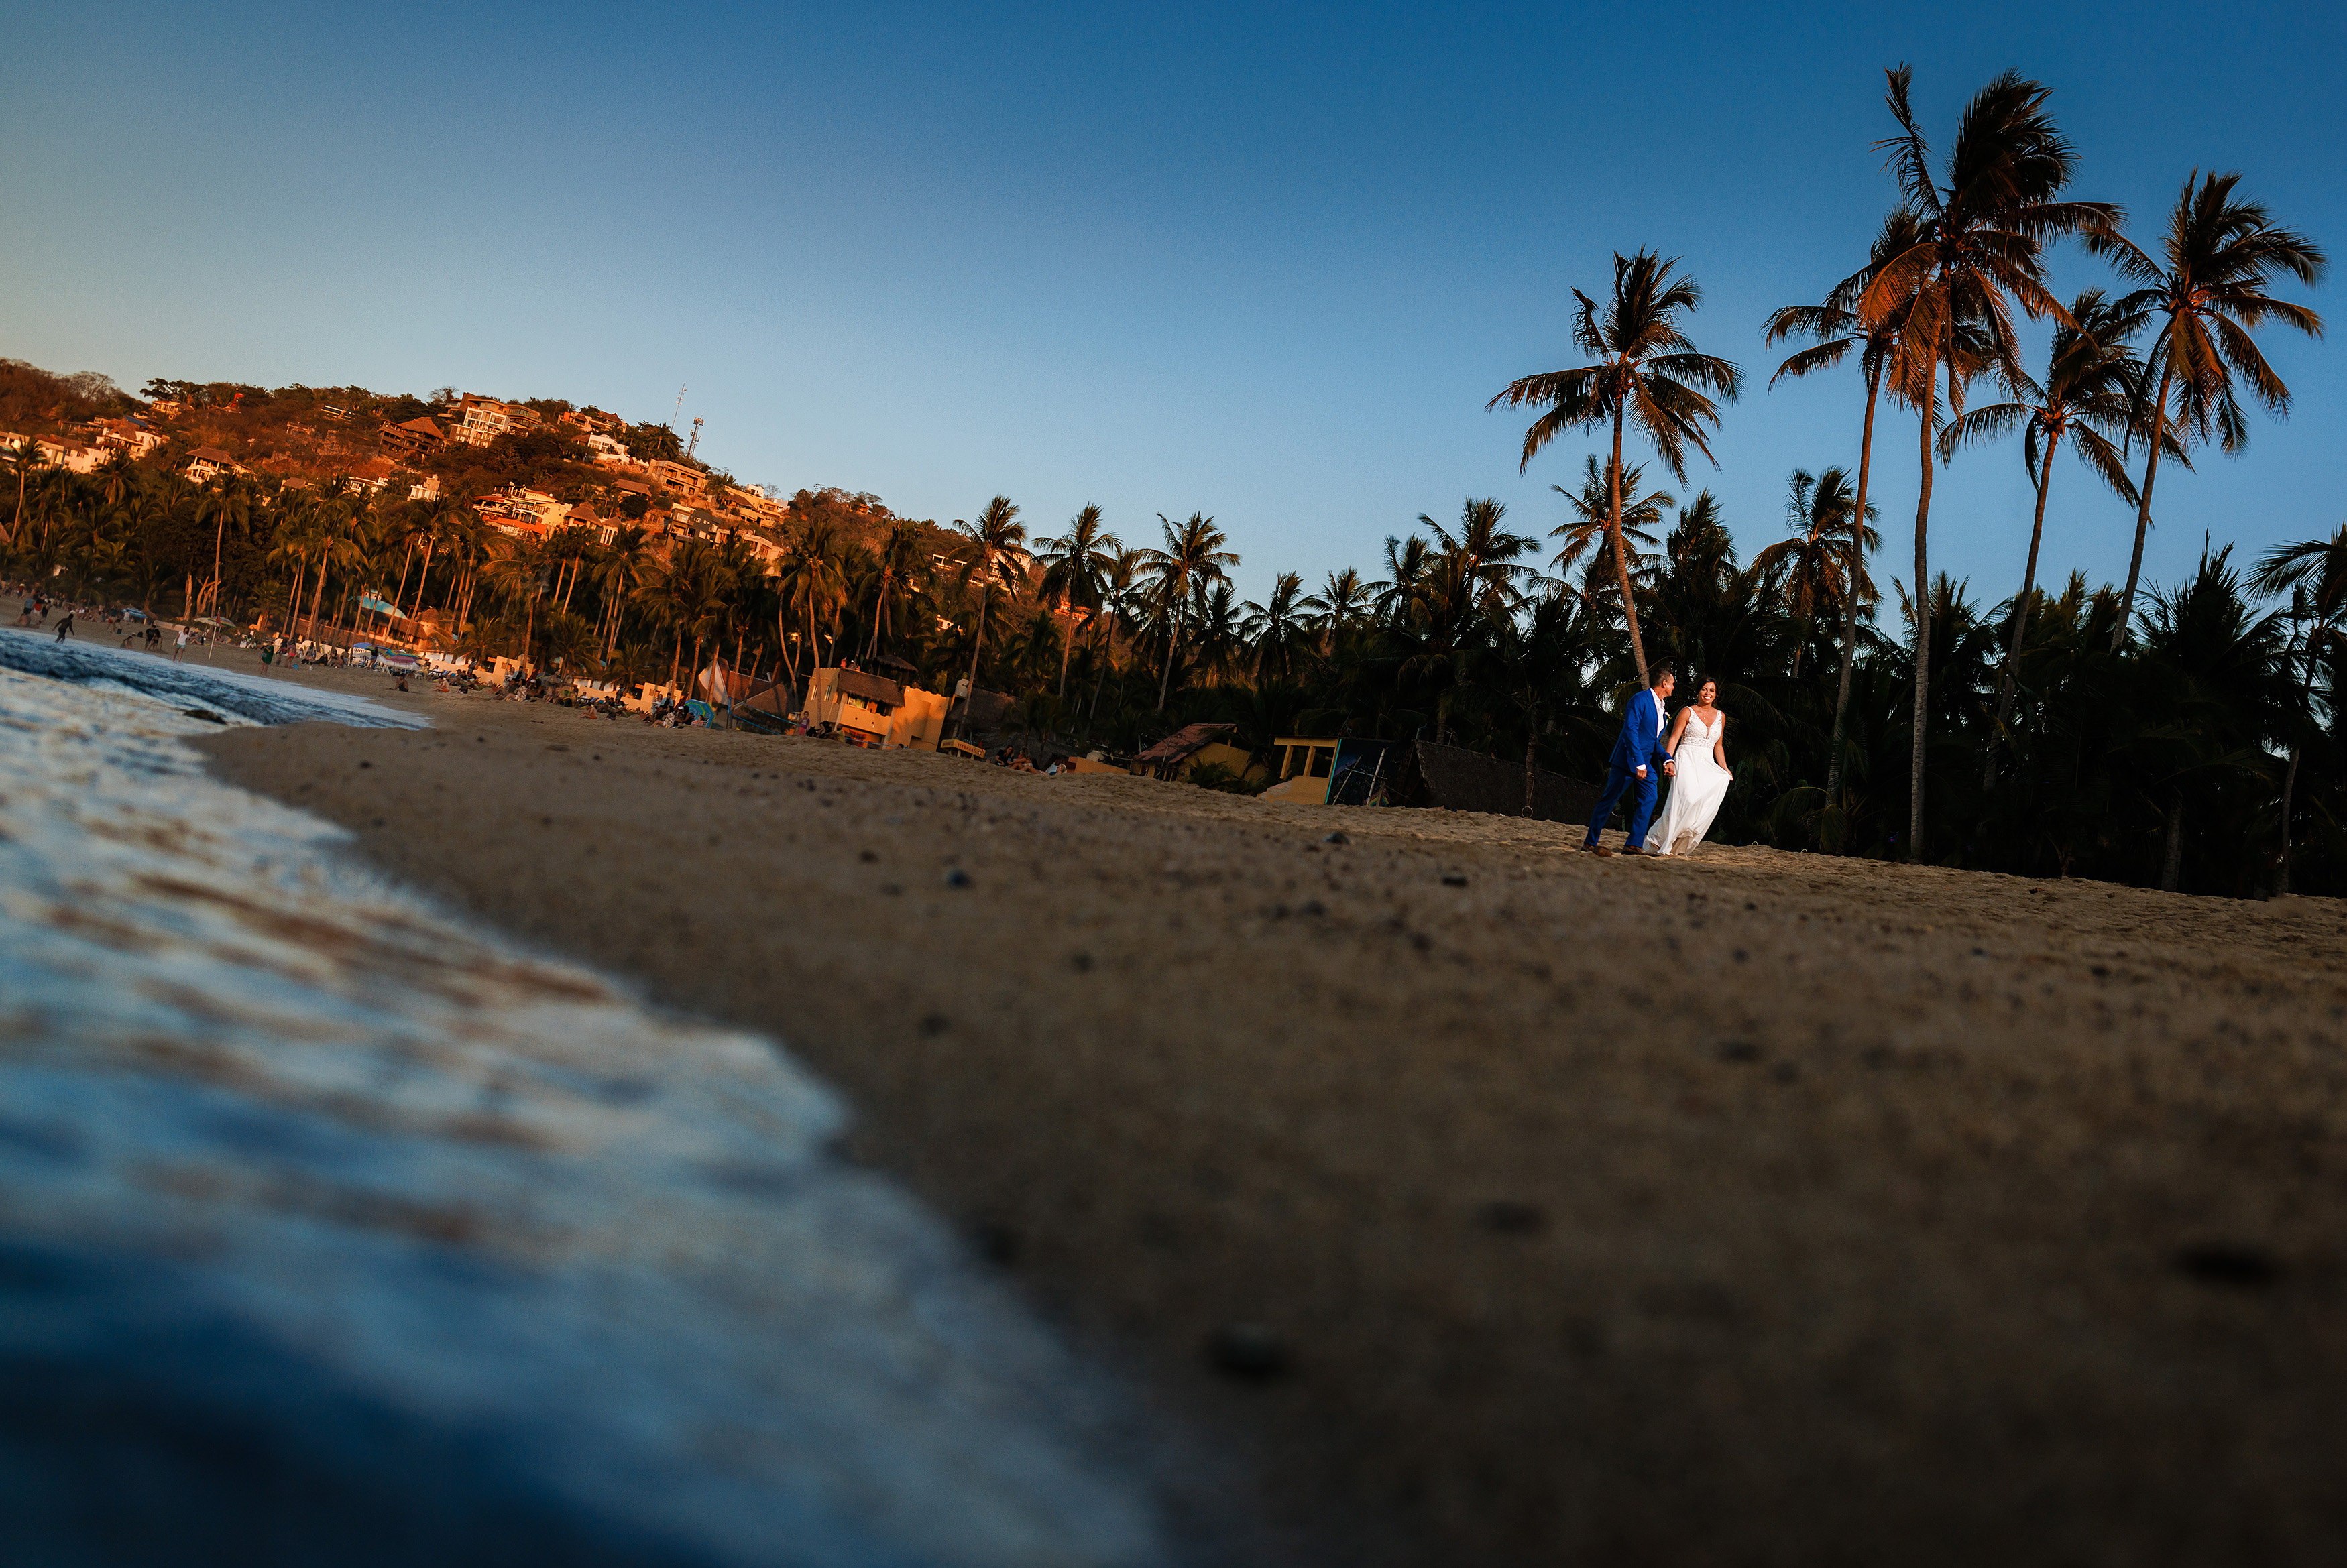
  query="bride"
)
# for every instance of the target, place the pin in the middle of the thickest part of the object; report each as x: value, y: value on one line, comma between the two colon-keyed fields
x: 1698, y: 748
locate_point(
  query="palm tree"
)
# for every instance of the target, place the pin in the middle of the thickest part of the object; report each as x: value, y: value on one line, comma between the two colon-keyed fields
x: 1075, y: 570
x: 2092, y: 386
x: 1119, y: 586
x: 1594, y: 521
x: 1823, y: 565
x: 2314, y: 573
x: 1342, y: 602
x: 627, y: 564
x: 1534, y: 660
x: 892, y: 574
x: 2205, y: 647
x: 228, y: 503
x: 1395, y: 596
x: 23, y: 460
x: 996, y: 533
x: 1487, y: 553
x: 1193, y: 557
x: 1979, y: 252
x: 2208, y: 288
x: 1275, y: 631
x: 815, y: 585
x: 1883, y: 357
x: 1647, y: 372
x: 522, y: 569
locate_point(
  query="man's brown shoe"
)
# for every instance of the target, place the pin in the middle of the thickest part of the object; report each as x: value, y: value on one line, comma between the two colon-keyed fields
x: 1600, y: 850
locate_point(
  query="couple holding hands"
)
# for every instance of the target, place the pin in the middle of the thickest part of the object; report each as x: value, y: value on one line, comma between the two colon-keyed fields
x: 1694, y: 759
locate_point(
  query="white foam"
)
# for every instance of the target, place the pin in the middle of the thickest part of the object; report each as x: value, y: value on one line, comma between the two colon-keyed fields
x: 496, y: 1189
x: 234, y: 694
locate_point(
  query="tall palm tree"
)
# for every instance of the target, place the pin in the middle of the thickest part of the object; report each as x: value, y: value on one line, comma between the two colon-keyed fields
x: 626, y: 564
x: 1193, y: 557
x: 1983, y: 222
x: 1277, y: 630
x: 996, y: 533
x: 1595, y: 518
x: 1487, y: 553
x: 1075, y: 570
x: 2092, y: 386
x: 2314, y: 573
x: 1823, y: 566
x: 523, y: 569
x: 228, y: 503
x: 1883, y: 359
x: 898, y: 558
x: 1119, y: 588
x: 2207, y: 287
x: 1342, y: 603
x: 23, y: 460
x: 1396, y: 594
x: 1647, y: 373
x: 816, y: 583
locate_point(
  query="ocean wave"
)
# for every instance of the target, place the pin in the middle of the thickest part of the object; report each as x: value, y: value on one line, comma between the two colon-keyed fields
x: 231, y: 693
x: 417, y: 1242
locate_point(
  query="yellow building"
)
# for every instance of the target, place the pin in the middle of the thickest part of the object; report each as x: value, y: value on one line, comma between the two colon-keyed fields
x: 1194, y: 746
x: 874, y: 711
x: 1342, y: 770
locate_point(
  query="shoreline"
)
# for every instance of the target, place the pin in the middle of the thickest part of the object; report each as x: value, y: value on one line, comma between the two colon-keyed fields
x: 1757, y: 1206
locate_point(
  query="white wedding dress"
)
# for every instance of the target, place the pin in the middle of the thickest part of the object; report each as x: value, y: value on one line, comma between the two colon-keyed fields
x: 1696, y: 790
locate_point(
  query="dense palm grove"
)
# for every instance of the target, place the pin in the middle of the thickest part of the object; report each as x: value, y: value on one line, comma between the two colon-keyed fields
x: 2181, y: 735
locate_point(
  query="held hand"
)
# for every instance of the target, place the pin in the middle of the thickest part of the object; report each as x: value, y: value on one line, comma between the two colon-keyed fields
x: 1670, y: 769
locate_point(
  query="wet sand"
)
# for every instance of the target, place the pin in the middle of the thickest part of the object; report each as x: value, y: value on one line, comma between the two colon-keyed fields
x: 1757, y: 1207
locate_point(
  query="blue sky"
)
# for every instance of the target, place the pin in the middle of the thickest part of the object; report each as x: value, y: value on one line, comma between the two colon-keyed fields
x: 1266, y: 263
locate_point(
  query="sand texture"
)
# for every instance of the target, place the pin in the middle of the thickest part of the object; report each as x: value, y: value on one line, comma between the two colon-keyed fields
x: 1754, y: 1208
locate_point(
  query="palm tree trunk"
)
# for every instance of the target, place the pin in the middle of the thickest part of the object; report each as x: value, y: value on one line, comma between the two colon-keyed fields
x: 317, y: 591
x: 423, y: 579
x: 1066, y: 647
x: 2143, y: 509
x: 2290, y: 774
x: 1531, y: 734
x: 1850, y: 590
x: 2020, y: 618
x: 1923, y: 608
x: 1100, y: 680
x: 1173, y: 650
x: 407, y: 561
x: 961, y: 726
x: 2171, y: 871
x: 1621, y: 554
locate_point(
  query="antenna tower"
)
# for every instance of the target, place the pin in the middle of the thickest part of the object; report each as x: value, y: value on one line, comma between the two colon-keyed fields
x: 696, y: 438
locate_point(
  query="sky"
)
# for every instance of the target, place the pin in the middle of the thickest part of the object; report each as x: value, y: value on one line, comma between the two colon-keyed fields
x: 1268, y: 263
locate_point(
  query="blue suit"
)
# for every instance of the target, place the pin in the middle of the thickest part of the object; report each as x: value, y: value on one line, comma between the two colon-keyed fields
x: 1640, y: 745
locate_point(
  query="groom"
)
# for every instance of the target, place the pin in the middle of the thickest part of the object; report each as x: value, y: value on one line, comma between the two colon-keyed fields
x: 1638, y: 757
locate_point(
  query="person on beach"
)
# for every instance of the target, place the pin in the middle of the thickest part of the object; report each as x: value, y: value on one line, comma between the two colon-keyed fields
x: 181, y: 651
x: 1639, y: 761
x: 65, y: 627
x: 1699, y: 750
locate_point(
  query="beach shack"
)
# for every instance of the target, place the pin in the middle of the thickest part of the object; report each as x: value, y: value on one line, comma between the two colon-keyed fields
x: 1193, y: 746
x: 871, y: 710
x: 1345, y: 770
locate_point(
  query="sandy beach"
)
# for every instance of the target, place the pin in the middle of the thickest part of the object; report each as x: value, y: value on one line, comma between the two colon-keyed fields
x: 1494, y: 1203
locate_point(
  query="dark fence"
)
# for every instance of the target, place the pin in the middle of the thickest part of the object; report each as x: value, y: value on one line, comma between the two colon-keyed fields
x: 1456, y: 779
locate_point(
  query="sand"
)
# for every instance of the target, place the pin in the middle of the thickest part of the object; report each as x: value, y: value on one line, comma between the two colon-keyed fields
x: 1757, y: 1207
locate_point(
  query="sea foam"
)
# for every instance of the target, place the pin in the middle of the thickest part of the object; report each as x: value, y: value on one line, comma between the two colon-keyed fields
x: 445, y: 1236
